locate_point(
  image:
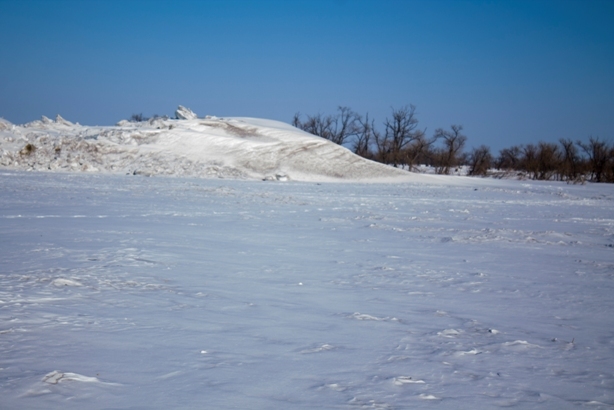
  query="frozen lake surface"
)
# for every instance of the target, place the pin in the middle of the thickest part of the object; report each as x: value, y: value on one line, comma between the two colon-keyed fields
x: 127, y: 292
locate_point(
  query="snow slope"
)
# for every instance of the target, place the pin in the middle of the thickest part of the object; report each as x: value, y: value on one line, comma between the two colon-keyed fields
x: 122, y: 292
x: 243, y: 148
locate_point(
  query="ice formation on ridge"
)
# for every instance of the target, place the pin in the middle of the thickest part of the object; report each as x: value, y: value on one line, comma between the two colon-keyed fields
x: 245, y: 148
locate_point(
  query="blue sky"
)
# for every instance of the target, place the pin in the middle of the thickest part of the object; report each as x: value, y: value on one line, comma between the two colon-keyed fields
x: 511, y: 72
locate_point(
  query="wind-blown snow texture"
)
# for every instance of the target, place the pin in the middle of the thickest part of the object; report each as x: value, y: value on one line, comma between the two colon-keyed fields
x: 239, y: 148
x: 125, y: 292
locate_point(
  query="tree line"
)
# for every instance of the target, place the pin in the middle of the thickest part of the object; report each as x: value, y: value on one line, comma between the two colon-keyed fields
x: 401, y: 143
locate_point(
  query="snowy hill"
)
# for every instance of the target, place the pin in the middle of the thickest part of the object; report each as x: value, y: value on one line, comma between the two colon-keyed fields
x: 244, y: 148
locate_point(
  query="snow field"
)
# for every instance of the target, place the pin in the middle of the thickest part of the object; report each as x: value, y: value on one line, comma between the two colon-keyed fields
x: 126, y: 292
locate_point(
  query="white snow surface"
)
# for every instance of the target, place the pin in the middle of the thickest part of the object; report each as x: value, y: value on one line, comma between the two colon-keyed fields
x: 124, y: 292
x: 239, y: 148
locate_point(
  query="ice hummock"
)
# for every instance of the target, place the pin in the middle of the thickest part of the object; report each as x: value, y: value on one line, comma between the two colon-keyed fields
x: 184, y: 113
x: 243, y: 148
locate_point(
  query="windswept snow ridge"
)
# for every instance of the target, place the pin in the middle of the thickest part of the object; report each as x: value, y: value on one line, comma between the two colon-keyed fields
x: 243, y: 148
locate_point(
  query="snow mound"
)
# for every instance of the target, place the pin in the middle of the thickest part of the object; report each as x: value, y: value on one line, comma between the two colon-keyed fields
x: 244, y: 148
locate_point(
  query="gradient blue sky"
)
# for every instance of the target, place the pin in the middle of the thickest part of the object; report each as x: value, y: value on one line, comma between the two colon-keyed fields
x: 511, y: 72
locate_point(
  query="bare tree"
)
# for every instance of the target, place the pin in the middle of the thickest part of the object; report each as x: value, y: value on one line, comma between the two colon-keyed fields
x: 418, y: 150
x: 365, y: 136
x: 597, y: 152
x: 453, y: 142
x: 315, y: 124
x: 548, y: 160
x: 335, y: 128
x: 346, y: 125
x: 383, y: 148
x: 570, y: 161
x: 480, y: 160
x: 319, y: 125
x: 529, y: 161
x: 400, y: 130
x: 138, y: 118
x: 509, y: 158
x: 296, y: 120
x: 609, y: 168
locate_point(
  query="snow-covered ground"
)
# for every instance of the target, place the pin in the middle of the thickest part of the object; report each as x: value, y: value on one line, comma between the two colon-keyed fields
x: 127, y: 292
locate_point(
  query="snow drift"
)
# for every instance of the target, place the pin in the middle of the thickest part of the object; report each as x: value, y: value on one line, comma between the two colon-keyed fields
x: 244, y: 148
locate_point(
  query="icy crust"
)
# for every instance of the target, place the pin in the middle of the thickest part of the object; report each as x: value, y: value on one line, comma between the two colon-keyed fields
x: 244, y: 148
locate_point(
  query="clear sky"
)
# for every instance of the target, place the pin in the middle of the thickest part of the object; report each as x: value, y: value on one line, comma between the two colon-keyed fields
x: 510, y: 72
